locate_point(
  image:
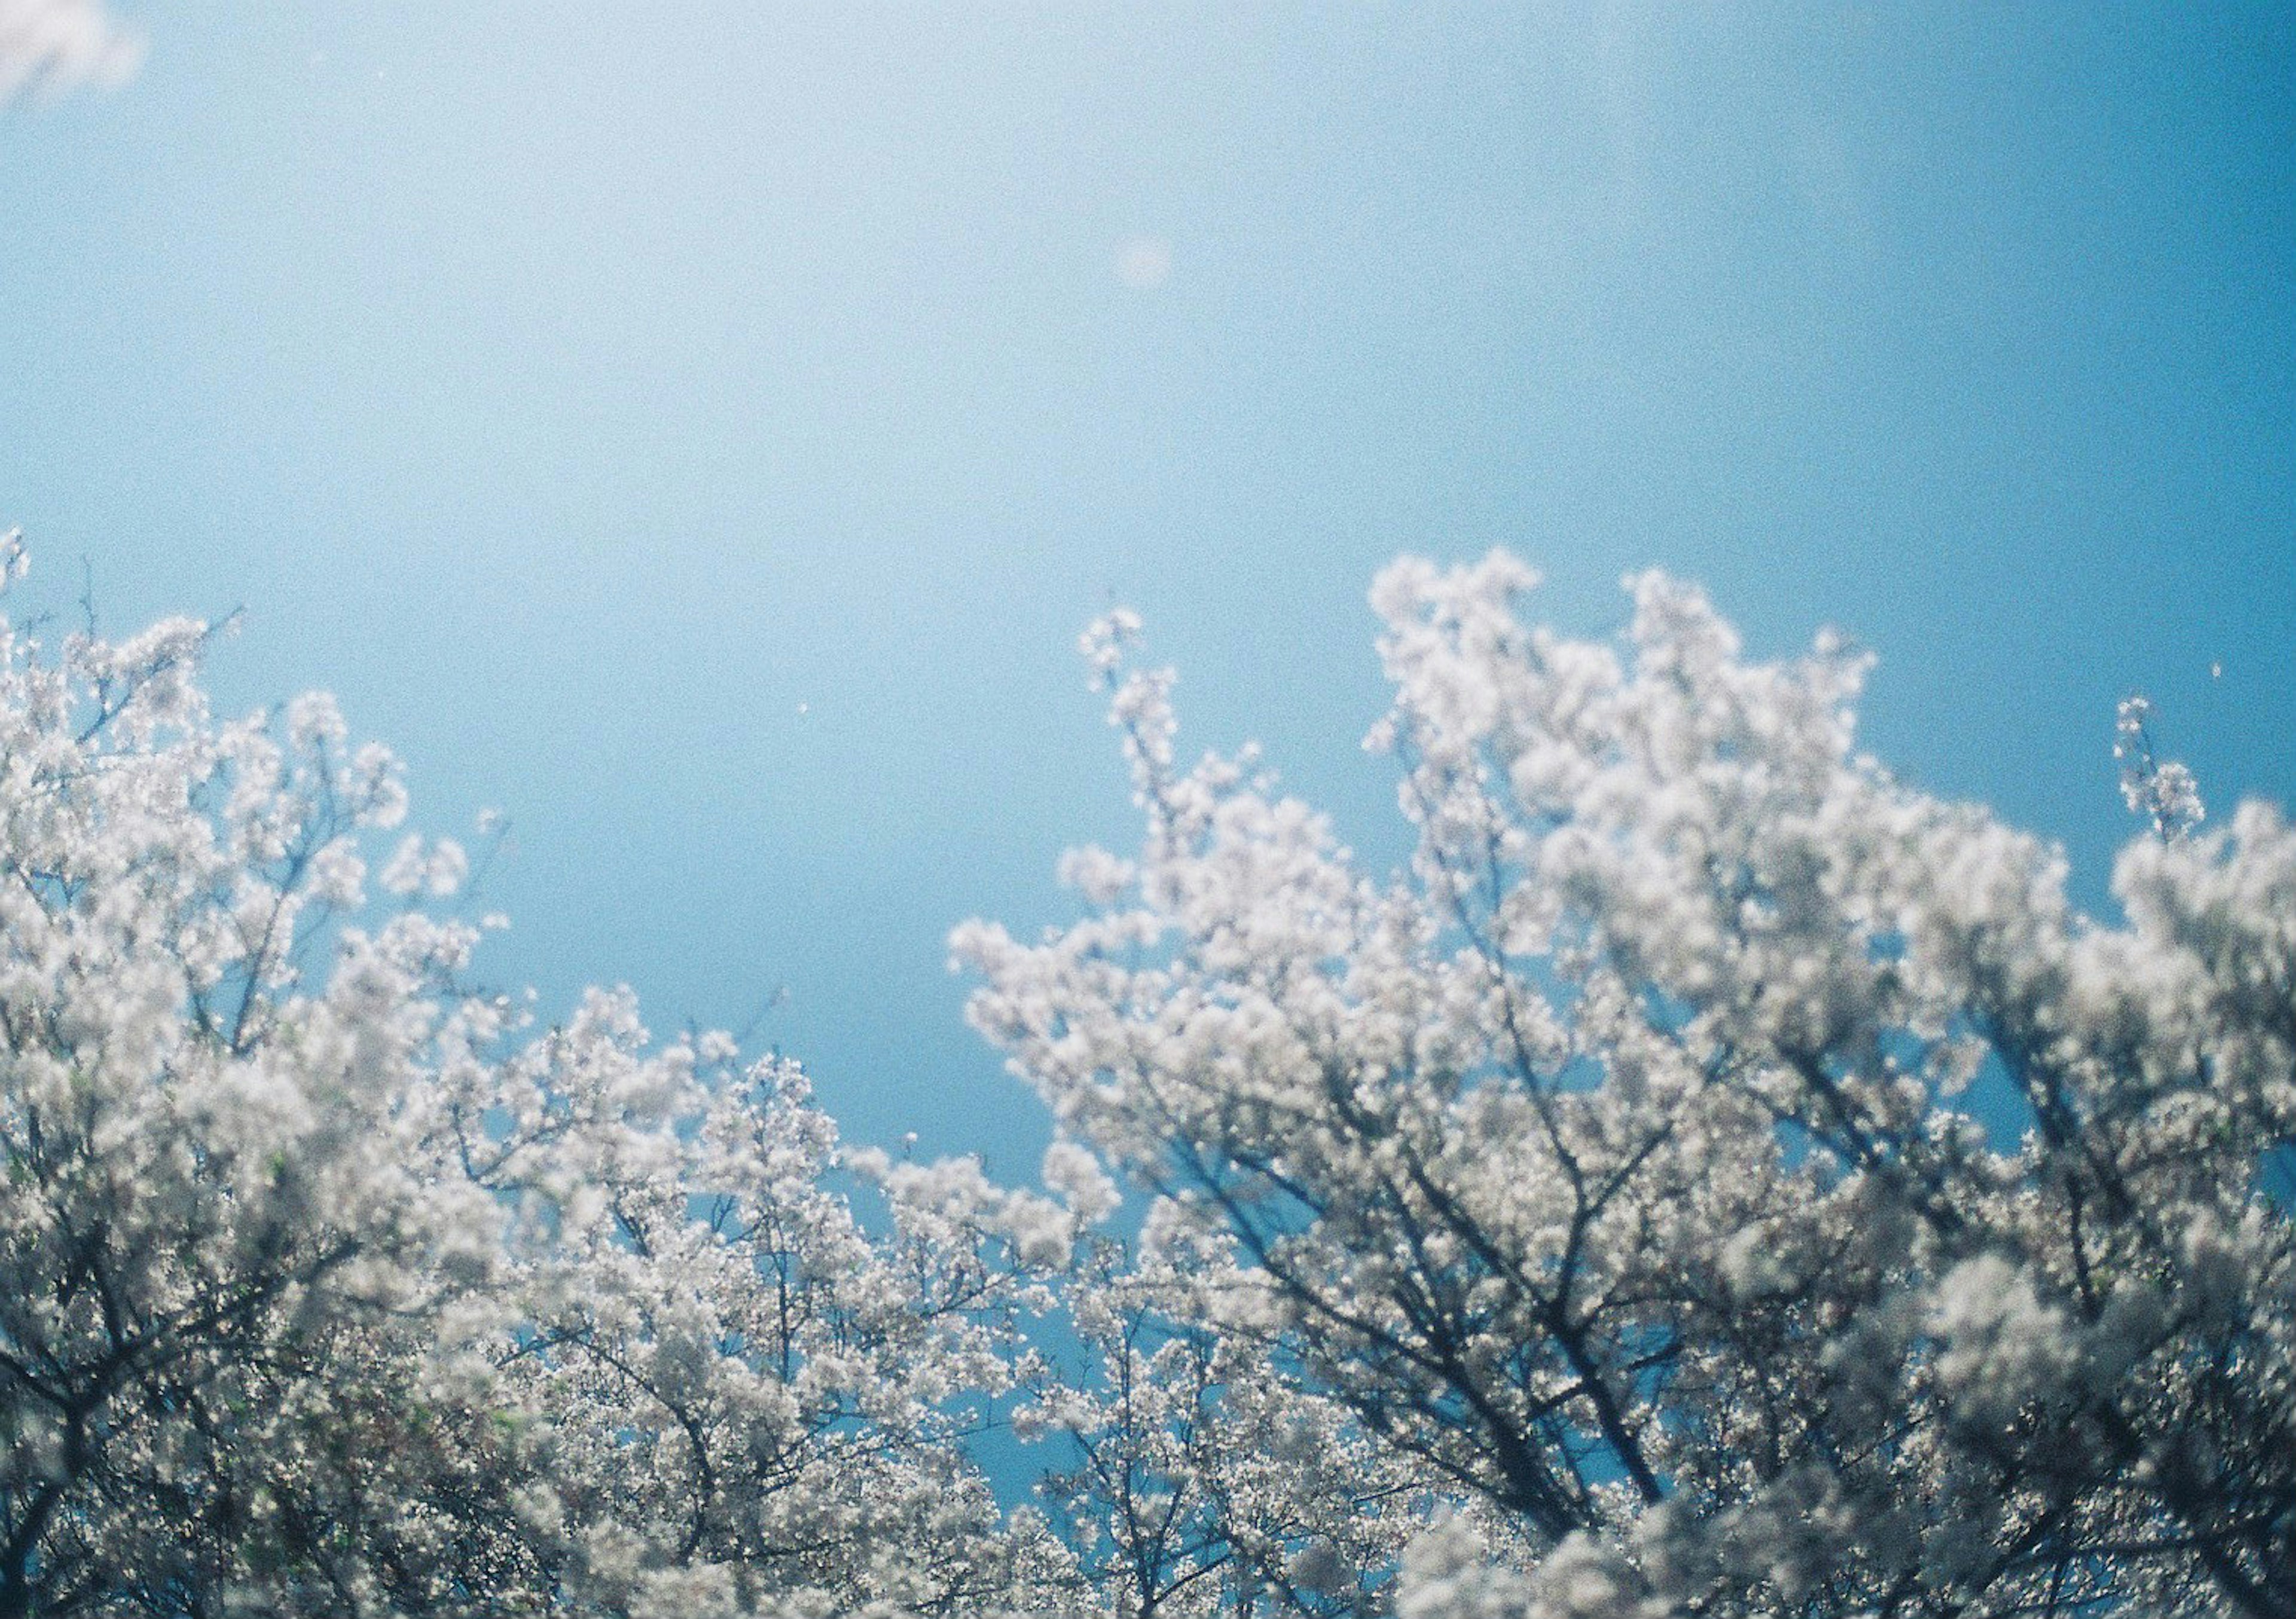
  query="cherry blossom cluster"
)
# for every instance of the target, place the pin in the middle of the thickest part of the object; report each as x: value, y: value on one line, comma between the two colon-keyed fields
x: 1713, y: 1178
x: 330, y: 1284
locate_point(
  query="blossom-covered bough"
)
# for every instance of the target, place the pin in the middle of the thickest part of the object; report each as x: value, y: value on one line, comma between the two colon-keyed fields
x: 1714, y: 1178
x: 328, y: 1285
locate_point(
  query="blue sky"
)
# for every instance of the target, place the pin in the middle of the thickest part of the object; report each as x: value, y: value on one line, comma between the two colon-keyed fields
x: 702, y: 430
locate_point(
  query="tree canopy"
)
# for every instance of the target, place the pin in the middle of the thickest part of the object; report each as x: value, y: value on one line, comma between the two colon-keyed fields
x: 1712, y: 1177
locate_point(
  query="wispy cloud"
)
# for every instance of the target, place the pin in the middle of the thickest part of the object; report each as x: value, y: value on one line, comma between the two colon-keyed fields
x: 50, y: 46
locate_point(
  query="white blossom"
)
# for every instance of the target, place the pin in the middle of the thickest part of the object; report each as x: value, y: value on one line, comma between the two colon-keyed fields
x: 330, y: 1285
x: 1719, y: 1178
x: 1710, y: 1177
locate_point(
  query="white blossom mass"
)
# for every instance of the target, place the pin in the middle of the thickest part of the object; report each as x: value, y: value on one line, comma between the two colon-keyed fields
x: 1713, y: 1178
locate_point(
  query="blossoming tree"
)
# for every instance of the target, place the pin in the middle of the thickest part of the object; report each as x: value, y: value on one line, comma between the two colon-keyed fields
x: 329, y: 1286
x: 1716, y: 1177
x: 1713, y: 1178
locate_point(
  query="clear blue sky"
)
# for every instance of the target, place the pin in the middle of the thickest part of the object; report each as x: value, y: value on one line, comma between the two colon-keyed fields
x: 701, y: 431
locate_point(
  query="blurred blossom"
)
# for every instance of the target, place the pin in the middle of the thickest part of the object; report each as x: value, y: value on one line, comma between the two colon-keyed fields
x: 1145, y: 263
x: 50, y: 46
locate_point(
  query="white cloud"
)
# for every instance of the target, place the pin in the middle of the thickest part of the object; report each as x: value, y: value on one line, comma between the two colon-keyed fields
x: 50, y: 46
